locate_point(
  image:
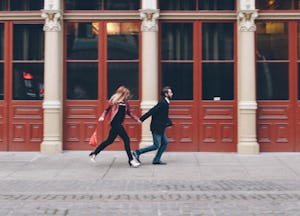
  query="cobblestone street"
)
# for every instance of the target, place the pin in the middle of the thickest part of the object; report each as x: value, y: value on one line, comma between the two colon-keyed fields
x: 190, y: 184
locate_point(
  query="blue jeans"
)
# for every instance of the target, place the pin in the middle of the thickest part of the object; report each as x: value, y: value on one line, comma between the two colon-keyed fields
x: 160, y: 142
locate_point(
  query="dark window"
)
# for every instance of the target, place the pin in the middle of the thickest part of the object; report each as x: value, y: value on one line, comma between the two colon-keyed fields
x: 102, y: 4
x: 83, y: 5
x: 122, y: 41
x: 28, y: 42
x: 216, y: 4
x: 217, y: 41
x: 3, y: 5
x: 82, y: 56
x: 218, y: 61
x: 277, y: 4
x: 177, y: 5
x: 1, y: 41
x: 28, y: 65
x: 123, y: 57
x: 272, y: 81
x: 177, y: 41
x: 180, y: 77
x: 82, y: 81
x: 217, y: 81
x: 28, y: 81
x: 123, y: 74
x: 82, y: 41
x: 197, y: 4
x: 177, y: 59
x: 1, y: 61
x: 271, y: 57
x: 23, y: 5
x: 121, y: 4
x: 272, y: 40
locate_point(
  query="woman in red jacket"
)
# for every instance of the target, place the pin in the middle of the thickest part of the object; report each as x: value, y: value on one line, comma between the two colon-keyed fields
x: 117, y: 108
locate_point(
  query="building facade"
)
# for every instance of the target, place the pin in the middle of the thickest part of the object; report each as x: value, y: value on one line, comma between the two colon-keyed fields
x: 233, y: 66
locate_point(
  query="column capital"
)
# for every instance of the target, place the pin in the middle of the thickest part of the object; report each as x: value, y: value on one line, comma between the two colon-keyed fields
x: 149, y: 17
x: 246, y: 18
x: 52, y: 20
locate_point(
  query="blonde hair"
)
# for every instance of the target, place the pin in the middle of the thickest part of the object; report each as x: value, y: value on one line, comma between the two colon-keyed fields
x: 120, y: 95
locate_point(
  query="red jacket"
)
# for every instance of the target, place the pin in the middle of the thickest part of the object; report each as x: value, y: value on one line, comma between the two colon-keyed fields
x: 112, y: 109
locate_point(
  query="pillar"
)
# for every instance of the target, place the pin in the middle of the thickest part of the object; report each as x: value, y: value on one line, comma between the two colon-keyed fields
x: 247, y: 106
x: 52, y: 104
x: 149, y: 14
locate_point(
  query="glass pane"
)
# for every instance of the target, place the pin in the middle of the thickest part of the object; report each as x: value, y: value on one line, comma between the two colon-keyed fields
x: 83, y: 5
x: 82, y: 81
x: 216, y: 5
x: 122, y: 41
x: 177, y: 5
x: 298, y: 40
x: 217, y: 81
x: 297, y: 4
x: 180, y: 77
x: 28, y: 42
x: 272, y: 40
x: 3, y: 5
x: 272, y: 81
x: 1, y: 81
x: 26, y: 5
x: 217, y: 41
x: 28, y: 81
x: 273, y: 4
x: 82, y: 41
x: 1, y: 41
x: 121, y: 4
x: 123, y: 74
x: 177, y: 41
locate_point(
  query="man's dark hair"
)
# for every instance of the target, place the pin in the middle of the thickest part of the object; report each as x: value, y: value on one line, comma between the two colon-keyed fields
x: 164, y: 91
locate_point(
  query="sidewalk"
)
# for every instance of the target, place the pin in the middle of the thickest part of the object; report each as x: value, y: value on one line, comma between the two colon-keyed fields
x: 192, y: 183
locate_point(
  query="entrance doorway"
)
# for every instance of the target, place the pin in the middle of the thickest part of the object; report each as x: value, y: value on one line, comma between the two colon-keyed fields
x: 198, y: 62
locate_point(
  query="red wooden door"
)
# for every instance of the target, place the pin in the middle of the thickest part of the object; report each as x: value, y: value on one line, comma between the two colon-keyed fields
x: 99, y: 57
x: 277, y: 86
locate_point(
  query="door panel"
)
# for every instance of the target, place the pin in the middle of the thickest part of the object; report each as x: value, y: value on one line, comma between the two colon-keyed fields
x: 182, y: 135
x: 25, y: 126
x: 218, y: 127
x: 275, y: 127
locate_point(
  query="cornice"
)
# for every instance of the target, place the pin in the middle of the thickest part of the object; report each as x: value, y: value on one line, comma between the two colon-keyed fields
x: 197, y: 16
x: 278, y: 16
x: 102, y: 16
x: 21, y: 16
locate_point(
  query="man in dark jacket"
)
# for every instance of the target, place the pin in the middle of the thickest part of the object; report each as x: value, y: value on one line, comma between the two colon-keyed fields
x: 160, y: 120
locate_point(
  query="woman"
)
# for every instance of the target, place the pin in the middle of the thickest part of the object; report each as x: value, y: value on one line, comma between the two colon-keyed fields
x: 117, y: 108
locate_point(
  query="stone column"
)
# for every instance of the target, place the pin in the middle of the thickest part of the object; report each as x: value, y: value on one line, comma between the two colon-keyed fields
x: 149, y: 14
x: 52, y: 105
x: 247, y: 106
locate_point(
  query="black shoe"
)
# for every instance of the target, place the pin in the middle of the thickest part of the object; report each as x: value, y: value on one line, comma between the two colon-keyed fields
x: 136, y: 155
x: 159, y: 163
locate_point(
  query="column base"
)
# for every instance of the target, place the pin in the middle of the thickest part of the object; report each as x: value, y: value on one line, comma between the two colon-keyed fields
x: 51, y: 147
x: 248, y: 148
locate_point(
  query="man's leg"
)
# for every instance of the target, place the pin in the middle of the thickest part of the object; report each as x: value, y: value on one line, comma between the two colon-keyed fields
x: 161, y: 149
x: 156, y: 143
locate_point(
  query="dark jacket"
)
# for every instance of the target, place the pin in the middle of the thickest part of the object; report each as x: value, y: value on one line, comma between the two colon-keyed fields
x: 160, y: 117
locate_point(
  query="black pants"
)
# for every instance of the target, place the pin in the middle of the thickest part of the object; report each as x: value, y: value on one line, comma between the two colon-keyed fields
x: 116, y: 129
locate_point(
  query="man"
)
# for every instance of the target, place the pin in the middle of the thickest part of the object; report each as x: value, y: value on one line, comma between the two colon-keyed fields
x: 160, y: 120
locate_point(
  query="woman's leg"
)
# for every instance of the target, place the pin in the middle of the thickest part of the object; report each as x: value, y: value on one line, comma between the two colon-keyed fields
x: 123, y: 134
x: 111, y: 137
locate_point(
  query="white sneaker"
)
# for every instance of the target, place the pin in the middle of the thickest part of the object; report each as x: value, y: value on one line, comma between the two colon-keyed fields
x: 93, y: 157
x: 134, y: 163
